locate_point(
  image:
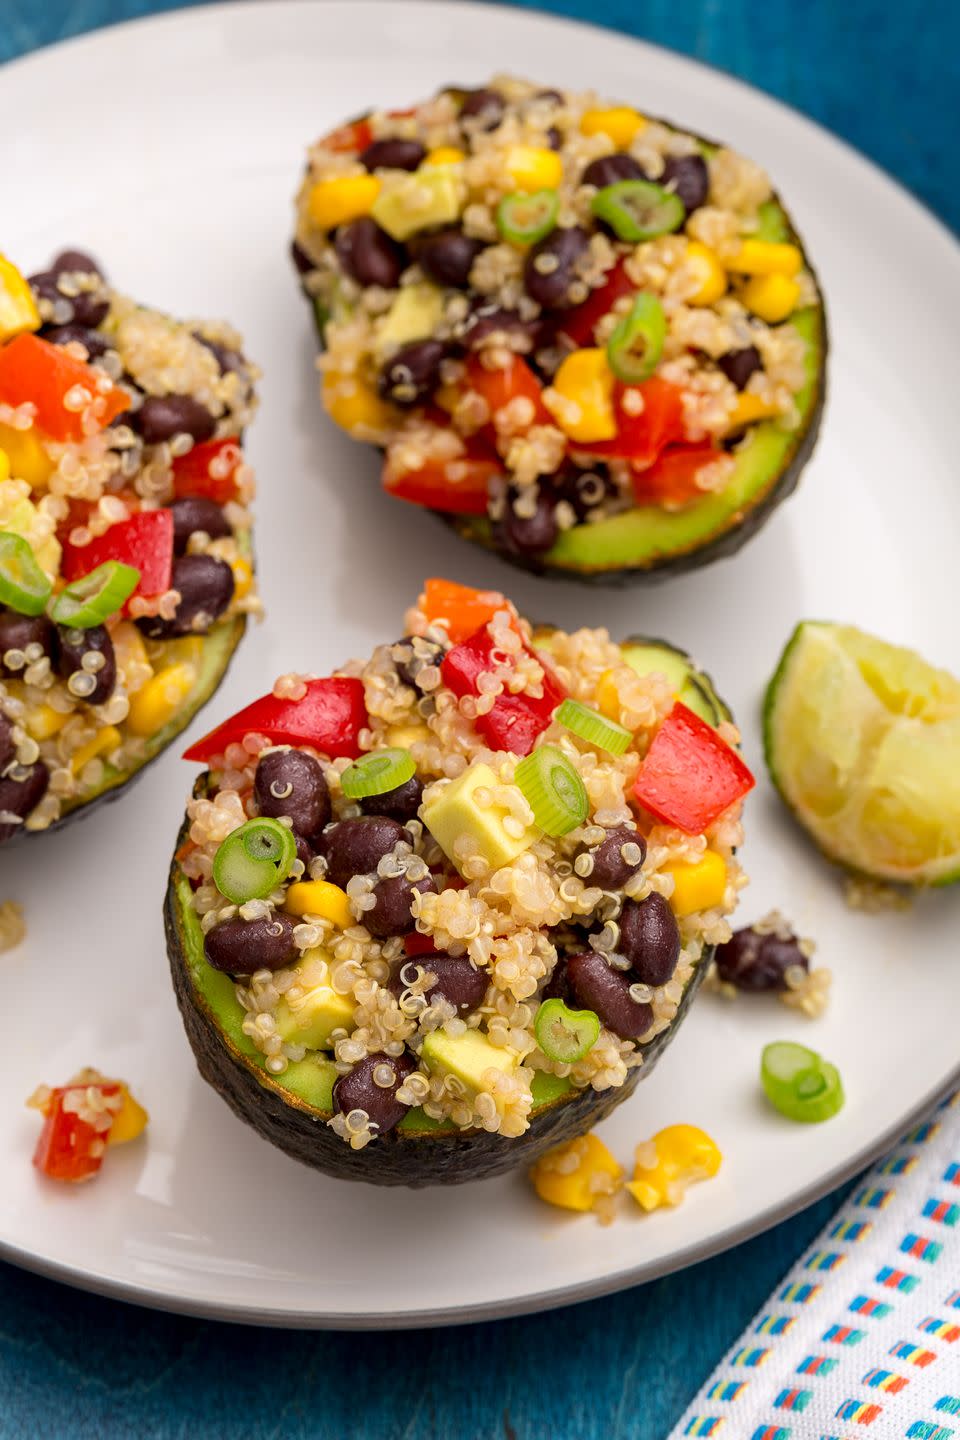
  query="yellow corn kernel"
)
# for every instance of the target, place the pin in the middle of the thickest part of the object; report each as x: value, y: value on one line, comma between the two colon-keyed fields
x: 766, y: 257
x: 676, y: 1157
x: 130, y: 1122
x: 354, y: 405
x: 335, y: 202
x: 750, y: 407
x: 710, y: 274
x: 620, y: 124
x: 531, y: 167
x: 43, y: 722
x: 576, y: 1175
x: 4, y: 466
x: 606, y: 697
x: 18, y: 309
x: 699, y: 886
x: 401, y: 737
x: 242, y: 577
x: 444, y: 155
x: 581, y: 397
x: 155, y: 705
x: 771, y: 297
x: 319, y: 897
x: 105, y: 740
x: 26, y: 456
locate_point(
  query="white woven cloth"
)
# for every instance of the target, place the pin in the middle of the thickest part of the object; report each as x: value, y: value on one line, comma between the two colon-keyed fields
x: 861, y: 1340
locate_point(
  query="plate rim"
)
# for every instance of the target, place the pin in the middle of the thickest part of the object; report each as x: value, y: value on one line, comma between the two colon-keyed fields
x: 133, y: 1292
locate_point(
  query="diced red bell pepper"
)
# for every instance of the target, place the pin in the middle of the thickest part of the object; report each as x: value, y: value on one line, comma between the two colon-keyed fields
x: 209, y: 470
x: 499, y: 387
x: 70, y: 1148
x: 641, y: 438
x: 689, y: 776
x: 672, y: 479
x: 460, y: 608
x: 515, y: 721
x: 329, y: 717
x: 417, y: 944
x: 578, y: 324
x: 356, y: 136
x: 458, y: 487
x: 145, y: 541
x: 33, y: 370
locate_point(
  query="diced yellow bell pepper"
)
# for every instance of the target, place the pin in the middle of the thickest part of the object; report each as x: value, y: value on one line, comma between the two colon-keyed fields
x: 444, y: 155
x: 708, y: 271
x: 354, y: 405
x: 156, y: 704
x: 27, y: 458
x: 682, y: 1155
x: 575, y: 1176
x: 401, y: 737
x: 581, y: 397
x: 699, y: 886
x: 43, y: 722
x: 242, y: 577
x: 131, y: 1120
x: 532, y: 167
x: 770, y: 297
x: 750, y: 407
x: 105, y: 740
x: 766, y: 257
x: 621, y: 124
x: 18, y: 309
x: 319, y: 897
x: 347, y: 197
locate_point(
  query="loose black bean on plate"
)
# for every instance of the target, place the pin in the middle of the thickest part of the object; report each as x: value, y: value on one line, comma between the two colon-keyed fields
x: 241, y: 947
x: 291, y: 783
x: 371, y: 1086
x: 758, y: 961
x: 91, y: 682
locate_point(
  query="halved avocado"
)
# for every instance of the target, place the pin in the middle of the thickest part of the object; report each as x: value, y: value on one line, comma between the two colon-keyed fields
x: 291, y: 1110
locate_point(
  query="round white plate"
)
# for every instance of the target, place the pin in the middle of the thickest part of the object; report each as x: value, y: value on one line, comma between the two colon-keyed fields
x: 178, y: 170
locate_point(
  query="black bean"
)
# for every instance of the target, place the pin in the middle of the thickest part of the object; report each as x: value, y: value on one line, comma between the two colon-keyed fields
x: 76, y: 262
x: 160, y: 417
x: 356, y: 846
x: 486, y: 105
x: 552, y: 95
x: 300, y: 258
x: 610, y: 870
x: 229, y: 361
x: 95, y: 343
x: 7, y: 747
x: 192, y: 513
x: 399, y: 804
x: 206, y: 586
x: 598, y: 987
x: 610, y: 169
x: 19, y: 631
x: 395, y: 154
x: 458, y: 980
x: 292, y: 783
x: 417, y: 654
x: 488, y: 322
x: 554, y: 138
x: 240, y: 947
x: 20, y: 793
x: 583, y: 490
x: 73, y: 645
x: 368, y: 254
x: 739, y: 365
x: 391, y: 915
x: 650, y: 939
x: 527, y: 535
x: 688, y: 177
x: 305, y: 851
x: 549, y: 270
x: 558, y: 987
x: 447, y: 256
x: 361, y: 1089
x: 412, y: 374
x: 758, y: 962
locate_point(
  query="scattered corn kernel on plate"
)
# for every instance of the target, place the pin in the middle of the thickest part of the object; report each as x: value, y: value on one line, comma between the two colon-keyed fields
x: 198, y: 1213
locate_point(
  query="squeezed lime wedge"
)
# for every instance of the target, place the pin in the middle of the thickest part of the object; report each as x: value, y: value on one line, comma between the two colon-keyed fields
x: 862, y: 739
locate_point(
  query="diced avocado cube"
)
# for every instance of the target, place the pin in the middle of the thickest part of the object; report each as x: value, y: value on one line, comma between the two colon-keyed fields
x: 455, y: 812
x: 415, y: 314
x: 468, y: 1056
x: 418, y: 201
x: 311, y: 1017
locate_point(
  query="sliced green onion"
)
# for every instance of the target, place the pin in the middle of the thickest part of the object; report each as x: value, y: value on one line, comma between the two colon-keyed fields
x: 376, y: 773
x: 23, y: 585
x: 800, y: 1083
x: 553, y: 789
x: 525, y: 219
x: 253, y: 860
x: 563, y: 1034
x: 638, y: 210
x: 596, y: 729
x: 636, y: 344
x: 92, y: 599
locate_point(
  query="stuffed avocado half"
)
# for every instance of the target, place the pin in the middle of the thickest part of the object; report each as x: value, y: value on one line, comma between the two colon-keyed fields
x: 589, y: 340
x: 126, y: 573
x: 434, y: 913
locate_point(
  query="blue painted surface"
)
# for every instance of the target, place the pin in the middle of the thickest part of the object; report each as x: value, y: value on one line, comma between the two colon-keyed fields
x: 72, y: 1365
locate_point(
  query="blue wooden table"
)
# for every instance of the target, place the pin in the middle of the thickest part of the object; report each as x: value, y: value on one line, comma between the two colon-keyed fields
x: 79, y: 1367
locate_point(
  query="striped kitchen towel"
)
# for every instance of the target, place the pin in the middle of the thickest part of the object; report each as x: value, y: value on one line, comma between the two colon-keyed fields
x: 862, y: 1338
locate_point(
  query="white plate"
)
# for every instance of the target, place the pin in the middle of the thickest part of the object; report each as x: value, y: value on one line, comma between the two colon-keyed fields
x: 178, y: 170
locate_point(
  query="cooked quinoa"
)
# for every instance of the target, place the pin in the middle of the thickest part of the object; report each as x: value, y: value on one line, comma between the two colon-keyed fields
x: 473, y: 264
x: 150, y: 426
x: 408, y: 938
